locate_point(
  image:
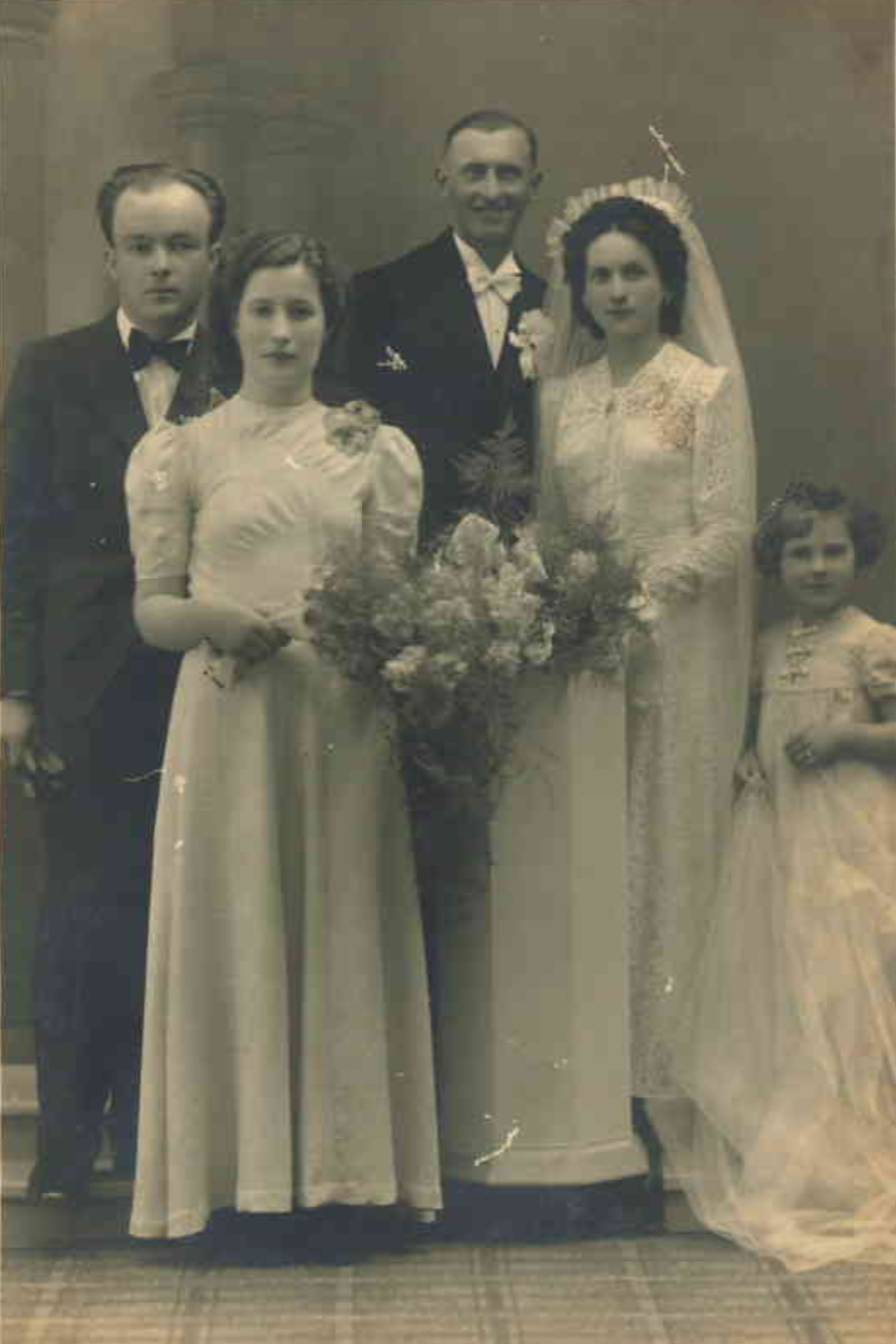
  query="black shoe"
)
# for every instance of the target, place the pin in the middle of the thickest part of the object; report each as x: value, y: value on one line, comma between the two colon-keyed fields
x: 45, y: 1184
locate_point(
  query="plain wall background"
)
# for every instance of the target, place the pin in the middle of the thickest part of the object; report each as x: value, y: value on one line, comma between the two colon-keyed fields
x: 780, y: 110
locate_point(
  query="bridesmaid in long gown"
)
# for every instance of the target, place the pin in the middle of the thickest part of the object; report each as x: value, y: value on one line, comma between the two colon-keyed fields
x: 287, y: 1055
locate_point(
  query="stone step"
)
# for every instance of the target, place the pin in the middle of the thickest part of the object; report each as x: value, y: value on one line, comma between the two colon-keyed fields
x: 105, y: 1216
x: 53, y: 1222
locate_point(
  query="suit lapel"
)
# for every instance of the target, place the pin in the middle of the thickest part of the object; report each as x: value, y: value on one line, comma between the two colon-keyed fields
x: 191, y: 397
x: 113, y: 389
x: 450, y: 314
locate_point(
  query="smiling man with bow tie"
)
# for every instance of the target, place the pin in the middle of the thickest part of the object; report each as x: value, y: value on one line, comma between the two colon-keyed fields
x: 427, y: 334
x: 85, y: 704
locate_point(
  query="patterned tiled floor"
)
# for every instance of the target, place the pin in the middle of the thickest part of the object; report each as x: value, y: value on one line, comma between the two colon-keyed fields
x: 650, y: 1290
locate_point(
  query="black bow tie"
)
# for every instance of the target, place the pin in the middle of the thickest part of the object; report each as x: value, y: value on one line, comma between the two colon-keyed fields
x: 142, y: 348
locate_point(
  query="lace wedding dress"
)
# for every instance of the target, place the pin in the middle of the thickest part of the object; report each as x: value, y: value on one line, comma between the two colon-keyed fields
x: 666, y: 455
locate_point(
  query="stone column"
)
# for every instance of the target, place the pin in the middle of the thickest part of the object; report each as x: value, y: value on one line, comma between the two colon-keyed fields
x: 24, y: 40
x: 216, y: 120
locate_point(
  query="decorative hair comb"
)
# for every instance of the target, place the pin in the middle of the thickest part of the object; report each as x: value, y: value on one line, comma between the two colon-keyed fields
x: 663, y: 195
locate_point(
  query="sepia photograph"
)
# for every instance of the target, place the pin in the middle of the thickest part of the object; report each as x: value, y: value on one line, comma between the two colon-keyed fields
x: 448, y: 706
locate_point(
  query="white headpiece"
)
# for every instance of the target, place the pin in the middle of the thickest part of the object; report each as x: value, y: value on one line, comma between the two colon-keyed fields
x: 705, y: 331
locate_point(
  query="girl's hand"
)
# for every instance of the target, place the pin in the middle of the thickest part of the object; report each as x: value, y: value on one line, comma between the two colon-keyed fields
x: 814, y: 747
x: 748, y: 771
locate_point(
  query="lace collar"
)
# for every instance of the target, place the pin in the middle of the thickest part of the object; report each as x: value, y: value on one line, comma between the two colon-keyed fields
x: 667, y: 364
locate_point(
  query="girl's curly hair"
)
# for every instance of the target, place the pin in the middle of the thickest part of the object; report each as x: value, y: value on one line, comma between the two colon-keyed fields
x: 790, y: 515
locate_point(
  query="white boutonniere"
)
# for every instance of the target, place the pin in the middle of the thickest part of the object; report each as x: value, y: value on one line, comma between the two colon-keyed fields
x: 532, y: 337
x: 393, y: 360
x: 351, y: 428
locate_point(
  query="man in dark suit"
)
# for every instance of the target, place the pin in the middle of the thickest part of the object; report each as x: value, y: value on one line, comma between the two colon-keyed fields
x: 427, y: 337
x: 85, y: 704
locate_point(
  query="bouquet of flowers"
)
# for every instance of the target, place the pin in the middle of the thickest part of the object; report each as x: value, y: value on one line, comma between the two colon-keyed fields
x: 594, y: 598
x: 444, y: 640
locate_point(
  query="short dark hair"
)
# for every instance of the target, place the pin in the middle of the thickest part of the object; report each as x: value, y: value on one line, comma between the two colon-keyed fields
x: 261, y: 250
x: 791, y: 515
x: 650, y: 227
x: 146, y: 176
x: 492, y: 119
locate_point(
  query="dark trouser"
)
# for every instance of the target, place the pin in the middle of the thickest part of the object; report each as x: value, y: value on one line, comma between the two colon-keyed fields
x: 91, y: 949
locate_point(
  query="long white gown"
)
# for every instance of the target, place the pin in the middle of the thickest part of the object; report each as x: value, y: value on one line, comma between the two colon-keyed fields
x: 666, y: 455
x: 789, y: 1044
x: 287, y: 1053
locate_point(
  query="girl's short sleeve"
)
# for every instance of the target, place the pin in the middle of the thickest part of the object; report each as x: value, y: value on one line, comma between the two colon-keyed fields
x: 160, y: 510
x: 394, y: 496
x: 878, y: 662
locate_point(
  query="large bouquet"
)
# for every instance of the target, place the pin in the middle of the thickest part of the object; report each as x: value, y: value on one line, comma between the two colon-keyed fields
x: 446, y: 639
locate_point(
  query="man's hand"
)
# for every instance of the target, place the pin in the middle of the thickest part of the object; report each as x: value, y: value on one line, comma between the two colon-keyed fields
x: 41, y: 770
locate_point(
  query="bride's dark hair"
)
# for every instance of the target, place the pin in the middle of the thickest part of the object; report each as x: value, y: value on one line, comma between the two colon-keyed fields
x: 648, y: 226
x: 258, y: 251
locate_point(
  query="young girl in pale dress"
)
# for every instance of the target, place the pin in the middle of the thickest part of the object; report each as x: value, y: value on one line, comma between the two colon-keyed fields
x: 789, y: 1048
x: 286, y: 1058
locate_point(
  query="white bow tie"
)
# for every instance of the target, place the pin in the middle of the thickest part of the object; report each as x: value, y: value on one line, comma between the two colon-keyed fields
x: 504, y: 283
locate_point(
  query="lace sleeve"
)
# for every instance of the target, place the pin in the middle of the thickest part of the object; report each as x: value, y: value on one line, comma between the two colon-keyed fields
x: 159, y: 504
x: 722, y: 492
x: 878, y: 663
x: 393, y: 499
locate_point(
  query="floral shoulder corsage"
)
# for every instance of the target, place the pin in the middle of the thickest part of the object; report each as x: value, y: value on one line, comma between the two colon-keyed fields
x: 351, y: 428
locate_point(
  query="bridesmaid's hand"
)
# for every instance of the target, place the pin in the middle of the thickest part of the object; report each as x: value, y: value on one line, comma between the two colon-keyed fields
x: 244, y: 634
x: 814, y: 747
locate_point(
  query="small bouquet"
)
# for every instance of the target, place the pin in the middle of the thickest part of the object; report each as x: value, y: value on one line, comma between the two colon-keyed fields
x: 594, y: 597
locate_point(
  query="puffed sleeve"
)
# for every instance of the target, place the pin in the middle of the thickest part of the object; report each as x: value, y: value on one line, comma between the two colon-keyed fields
x: 393, y: 498
x: 878, y: 662
x: 160, y: 505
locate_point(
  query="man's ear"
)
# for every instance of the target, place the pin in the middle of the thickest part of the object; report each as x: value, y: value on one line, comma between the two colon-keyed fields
x: 440, y: 176
x: 214, y: 253
x: 535, y: 182
x: 110, y: 265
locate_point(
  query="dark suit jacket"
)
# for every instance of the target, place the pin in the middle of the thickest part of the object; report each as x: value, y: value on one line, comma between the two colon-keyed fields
x: 449, y: 396
x: 72, y: 416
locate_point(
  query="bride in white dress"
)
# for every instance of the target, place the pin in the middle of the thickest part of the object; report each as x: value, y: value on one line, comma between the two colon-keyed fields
x: 645, y: 415
x: 287, y: 1056
x: 605, y: 851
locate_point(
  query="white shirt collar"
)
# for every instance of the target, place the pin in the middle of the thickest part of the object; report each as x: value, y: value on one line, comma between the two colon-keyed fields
x: 473, y: 262
x: 126, y: 326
